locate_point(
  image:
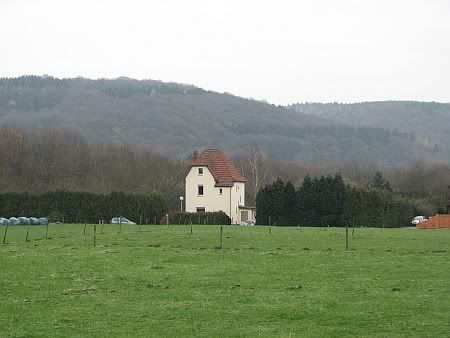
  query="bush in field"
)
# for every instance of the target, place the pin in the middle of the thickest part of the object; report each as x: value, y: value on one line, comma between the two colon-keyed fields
x: 200, y: 218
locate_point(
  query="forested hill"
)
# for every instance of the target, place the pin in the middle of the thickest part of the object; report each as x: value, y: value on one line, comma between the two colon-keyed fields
x: 428, y: 121
x: 174, y: 119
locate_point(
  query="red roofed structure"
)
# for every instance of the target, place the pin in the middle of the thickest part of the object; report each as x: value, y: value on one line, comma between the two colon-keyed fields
x: 215, y: 184
x: 220, y: 167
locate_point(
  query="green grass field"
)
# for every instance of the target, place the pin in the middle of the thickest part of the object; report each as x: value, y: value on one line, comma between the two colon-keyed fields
x: 166, y: 282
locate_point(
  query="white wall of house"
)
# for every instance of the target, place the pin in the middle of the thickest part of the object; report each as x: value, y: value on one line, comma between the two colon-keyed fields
x: 237, y: 199
x: 226, y: 199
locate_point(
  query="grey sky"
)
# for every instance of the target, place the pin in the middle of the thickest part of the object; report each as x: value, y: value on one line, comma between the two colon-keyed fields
x: 282, y: 51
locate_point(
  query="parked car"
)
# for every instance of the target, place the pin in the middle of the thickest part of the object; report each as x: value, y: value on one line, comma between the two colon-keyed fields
x: 419, y: 219
x: 121, y: 220
x: 4, y: 221
x: 34, y: 221
x: 248, y: 223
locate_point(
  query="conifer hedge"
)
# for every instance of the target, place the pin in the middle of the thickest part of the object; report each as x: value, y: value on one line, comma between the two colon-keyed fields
x: 200, y: 218
x: 329, y: 201
x: 79, y: 207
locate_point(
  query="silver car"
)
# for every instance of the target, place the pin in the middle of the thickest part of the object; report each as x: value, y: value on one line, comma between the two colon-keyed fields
x: 419, y: 219
x: 121, y: 220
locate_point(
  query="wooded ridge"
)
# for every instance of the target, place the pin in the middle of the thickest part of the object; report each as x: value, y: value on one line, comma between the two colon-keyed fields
x: 174, y: 119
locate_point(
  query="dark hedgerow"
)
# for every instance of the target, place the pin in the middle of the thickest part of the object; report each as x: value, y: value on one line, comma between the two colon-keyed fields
x: 219, y: 217
x: 328, y: 201
x: 79, y: 207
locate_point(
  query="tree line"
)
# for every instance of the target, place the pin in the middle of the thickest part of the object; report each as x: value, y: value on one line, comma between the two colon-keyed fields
x: 79, y: 207
x: 63, y: 160
x: 328, y: 200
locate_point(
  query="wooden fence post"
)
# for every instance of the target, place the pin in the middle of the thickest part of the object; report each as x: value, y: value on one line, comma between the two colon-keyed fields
x: 4, y: 236
x: 346, y: 237
x: 95, y: 233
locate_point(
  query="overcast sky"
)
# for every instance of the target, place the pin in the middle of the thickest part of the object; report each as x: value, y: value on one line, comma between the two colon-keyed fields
x: 280, y: 51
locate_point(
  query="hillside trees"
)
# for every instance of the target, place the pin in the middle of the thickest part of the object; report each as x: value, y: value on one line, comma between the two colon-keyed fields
x: 63, y: 160
x: 380, y: 182
x: 172, y: 119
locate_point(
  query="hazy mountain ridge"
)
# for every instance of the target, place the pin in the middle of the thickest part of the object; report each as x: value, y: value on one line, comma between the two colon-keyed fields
x: 426, y: 119
x: 174, y: 118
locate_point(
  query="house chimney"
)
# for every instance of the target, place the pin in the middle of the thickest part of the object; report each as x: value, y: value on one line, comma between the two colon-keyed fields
x: 194, y: 154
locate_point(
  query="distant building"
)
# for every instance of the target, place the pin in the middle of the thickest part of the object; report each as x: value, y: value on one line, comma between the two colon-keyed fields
x: 214, y: 184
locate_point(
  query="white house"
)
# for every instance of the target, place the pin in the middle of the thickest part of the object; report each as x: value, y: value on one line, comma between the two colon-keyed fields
x: 214, y: 184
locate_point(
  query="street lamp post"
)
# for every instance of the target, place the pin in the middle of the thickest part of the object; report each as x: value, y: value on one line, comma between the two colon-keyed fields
x: 181, y: 203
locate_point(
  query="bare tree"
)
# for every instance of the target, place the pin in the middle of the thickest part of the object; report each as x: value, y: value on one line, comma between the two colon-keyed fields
x: 255, y: 166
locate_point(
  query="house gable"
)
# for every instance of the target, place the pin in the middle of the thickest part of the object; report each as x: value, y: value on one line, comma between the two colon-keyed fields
x: 214, y: 184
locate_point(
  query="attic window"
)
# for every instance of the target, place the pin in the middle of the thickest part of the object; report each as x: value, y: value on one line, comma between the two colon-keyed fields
x: 200, y: 171
x: 220, y: 191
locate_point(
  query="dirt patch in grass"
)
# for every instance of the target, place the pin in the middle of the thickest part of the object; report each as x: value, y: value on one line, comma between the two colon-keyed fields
x: 156, y: 286
x: 86, y: 290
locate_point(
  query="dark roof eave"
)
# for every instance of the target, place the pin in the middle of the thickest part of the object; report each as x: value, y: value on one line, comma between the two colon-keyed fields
x: 224, y: 184
x: 228, y: 184
x: 245, y: 207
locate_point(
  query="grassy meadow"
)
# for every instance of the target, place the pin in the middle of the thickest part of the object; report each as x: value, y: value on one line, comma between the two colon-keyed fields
x: 163, y: 281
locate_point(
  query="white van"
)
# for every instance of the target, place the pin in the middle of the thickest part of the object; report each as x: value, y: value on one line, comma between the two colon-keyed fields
x: 418, y: 219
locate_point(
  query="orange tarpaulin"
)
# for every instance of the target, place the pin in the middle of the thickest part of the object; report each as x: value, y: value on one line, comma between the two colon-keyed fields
x: 437, y: 221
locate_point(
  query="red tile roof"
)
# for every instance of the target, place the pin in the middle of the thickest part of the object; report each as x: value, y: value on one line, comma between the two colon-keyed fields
x: 225, y: 174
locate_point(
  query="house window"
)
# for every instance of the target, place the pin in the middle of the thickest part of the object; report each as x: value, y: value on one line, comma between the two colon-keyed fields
x: 201, y: 209
x: 200, y: 171
x: 220, y: 191
x: 200, y: 190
